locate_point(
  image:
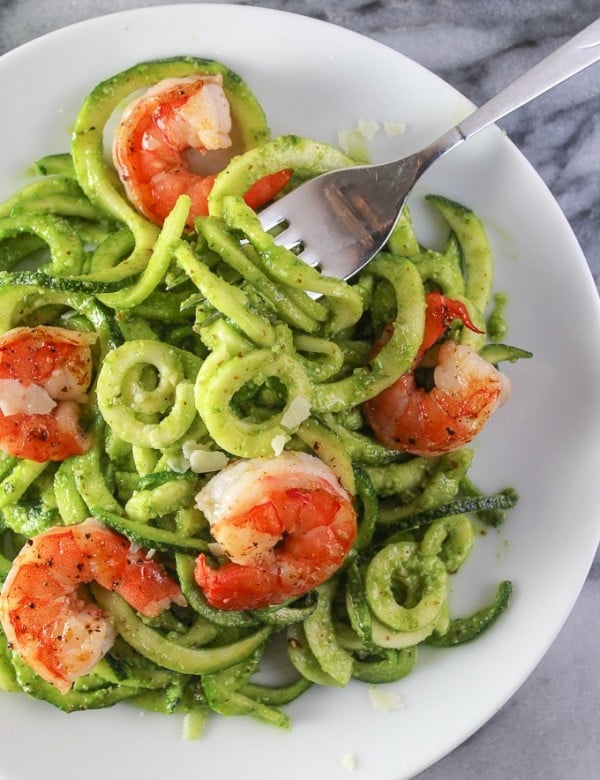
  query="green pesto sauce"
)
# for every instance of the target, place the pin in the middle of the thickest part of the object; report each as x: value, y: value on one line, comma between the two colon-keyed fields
x: 496, y: 324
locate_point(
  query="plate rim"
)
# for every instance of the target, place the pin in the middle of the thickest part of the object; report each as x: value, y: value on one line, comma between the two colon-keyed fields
x: 252, y: 10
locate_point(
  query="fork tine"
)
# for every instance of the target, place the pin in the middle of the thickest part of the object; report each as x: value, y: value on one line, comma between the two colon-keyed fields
x: 272, y: 216
x: 289, y: 237
x: 308, y: 256
x: 292, y: 236
x: 338, y: 220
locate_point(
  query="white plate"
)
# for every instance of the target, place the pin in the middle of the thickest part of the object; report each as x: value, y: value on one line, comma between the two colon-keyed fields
x: 316, y: 79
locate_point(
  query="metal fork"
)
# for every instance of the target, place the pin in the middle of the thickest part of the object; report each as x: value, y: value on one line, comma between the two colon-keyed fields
x: 339, y: 220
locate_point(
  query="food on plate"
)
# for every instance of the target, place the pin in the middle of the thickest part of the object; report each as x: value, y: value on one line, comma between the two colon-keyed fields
x: 465, y: 390
x: 156, y: 136
x: 206, y: 444
x: 284, y: 524
x: 45, y: 373
x: 60, y: 635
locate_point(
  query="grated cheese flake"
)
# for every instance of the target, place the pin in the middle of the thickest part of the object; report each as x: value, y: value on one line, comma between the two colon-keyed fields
x: 393, y: 129
x: 278, y: 443
x: 383, y: 700
x: 197, y: 458
x: 348, y: 761
x: 368, y: 127
x: 297, y: 411
x: 178, y: 464
x: 203, y: 461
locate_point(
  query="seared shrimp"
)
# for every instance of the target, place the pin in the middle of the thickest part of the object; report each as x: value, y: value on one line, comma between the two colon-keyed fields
x: 55, y: 630
x: 284, y: 523
x: 467, y: 391
x: 439, y: 314
x: 45, y: 373
x: 158, y: 132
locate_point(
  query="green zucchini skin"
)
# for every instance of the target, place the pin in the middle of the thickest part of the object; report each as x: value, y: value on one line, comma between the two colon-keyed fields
x: 168, y: 654
x: 148, y: 536
x: 389, y: 666
x: 72, y: 701
x: 461, y: 630
x: 60, y: 163
x: 477, y: 255
x: 498, y: 353
x: 60, y: 283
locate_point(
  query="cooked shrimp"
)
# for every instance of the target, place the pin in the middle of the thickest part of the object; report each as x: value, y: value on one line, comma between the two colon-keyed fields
x: 467, y: 391
x: 156, y: 136
x: 58, y: 632
x: 45, y: 373
x: 439, y: 314
x: 284, y: 523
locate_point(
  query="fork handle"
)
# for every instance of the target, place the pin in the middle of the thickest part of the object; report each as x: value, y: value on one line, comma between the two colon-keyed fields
x: 573, y: 56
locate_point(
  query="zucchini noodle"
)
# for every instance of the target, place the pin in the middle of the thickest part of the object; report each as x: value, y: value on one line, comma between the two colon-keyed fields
x: 213, y: 344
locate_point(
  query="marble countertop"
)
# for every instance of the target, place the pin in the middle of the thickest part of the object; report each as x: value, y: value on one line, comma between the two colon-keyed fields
x: 550, y: 728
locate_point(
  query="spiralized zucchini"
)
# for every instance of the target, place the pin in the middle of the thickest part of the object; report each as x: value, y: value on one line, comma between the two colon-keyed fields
x: 210, y: 341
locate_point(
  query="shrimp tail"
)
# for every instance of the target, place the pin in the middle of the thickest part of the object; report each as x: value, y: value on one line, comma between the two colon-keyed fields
x: 439, y: 314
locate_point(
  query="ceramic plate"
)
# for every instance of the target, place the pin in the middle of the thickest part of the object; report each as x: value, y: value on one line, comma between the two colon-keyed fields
x: 316, y: 80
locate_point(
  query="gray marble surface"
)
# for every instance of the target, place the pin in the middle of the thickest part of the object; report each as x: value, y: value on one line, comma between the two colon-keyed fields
x: 550, y: 728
